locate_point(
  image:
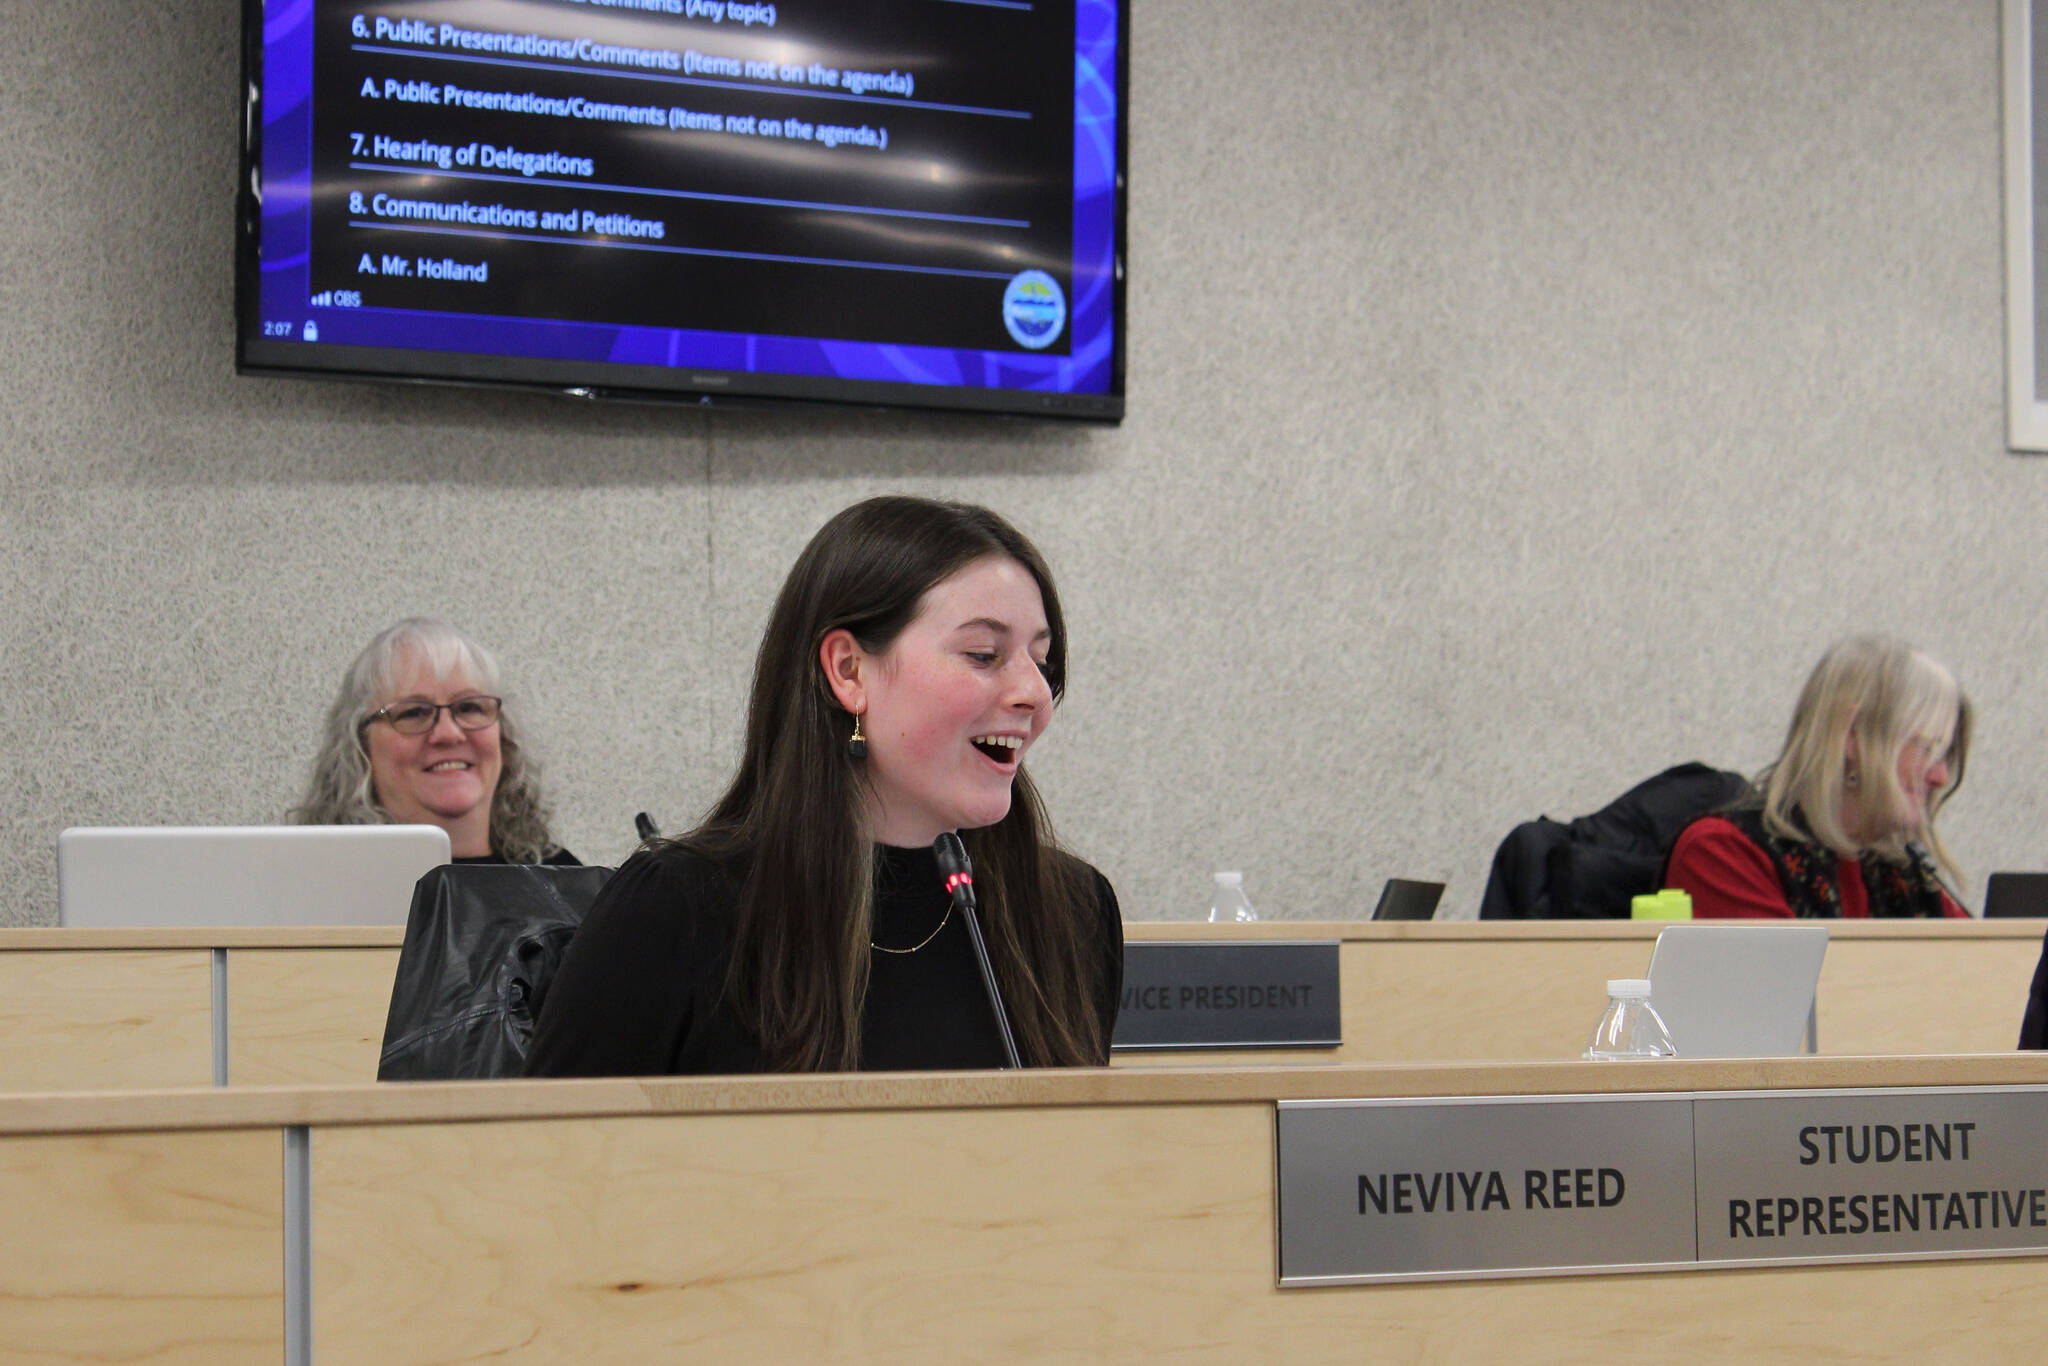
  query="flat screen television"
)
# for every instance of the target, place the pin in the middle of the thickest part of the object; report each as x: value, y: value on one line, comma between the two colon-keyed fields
x: 899, y: 202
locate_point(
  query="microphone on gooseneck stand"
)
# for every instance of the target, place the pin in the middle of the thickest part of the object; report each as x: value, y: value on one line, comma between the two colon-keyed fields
x: 952, y: 856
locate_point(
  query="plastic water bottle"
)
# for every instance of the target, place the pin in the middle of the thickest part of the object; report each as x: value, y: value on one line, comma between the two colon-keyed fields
x: 1631, y: 1027
x: 1228, y: 903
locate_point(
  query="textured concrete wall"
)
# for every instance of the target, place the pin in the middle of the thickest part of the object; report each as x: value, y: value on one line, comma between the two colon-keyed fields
x: 1522, y: 394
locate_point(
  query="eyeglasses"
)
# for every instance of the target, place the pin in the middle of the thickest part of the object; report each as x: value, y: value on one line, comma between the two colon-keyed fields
x: 417, y: 718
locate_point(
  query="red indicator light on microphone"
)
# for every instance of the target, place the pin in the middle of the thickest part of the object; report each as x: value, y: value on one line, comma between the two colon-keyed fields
x: 955, y: 880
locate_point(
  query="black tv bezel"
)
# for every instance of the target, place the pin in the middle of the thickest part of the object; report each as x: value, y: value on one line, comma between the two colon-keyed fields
x: 601, y: 380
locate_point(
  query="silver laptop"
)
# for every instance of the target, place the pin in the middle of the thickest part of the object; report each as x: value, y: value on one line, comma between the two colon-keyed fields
x: 1738, y: 991
x: 202, y: 876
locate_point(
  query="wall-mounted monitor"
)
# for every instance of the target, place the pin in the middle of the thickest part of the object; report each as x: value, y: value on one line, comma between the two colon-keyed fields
x: 899, y: 202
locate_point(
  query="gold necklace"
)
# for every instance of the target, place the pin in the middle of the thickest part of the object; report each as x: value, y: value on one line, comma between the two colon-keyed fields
x: 922, y: 942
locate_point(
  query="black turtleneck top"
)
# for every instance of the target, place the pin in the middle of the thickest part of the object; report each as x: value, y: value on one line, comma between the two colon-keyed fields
x: 641, y: 989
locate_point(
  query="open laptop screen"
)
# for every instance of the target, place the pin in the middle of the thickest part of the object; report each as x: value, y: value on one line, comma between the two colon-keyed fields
x: 1737, y: 991
x: 164, y: 876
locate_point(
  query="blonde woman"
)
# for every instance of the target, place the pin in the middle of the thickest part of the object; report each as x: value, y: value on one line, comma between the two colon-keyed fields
x: 1842, y: 823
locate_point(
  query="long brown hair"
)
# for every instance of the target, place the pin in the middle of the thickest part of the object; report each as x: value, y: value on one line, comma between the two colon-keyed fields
x: 792, y: 822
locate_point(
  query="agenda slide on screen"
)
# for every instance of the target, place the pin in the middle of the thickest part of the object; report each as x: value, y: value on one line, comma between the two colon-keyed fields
x: 901, y: 174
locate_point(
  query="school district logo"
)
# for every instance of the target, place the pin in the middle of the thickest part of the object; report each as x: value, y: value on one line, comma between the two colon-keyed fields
x: 1034, y: 310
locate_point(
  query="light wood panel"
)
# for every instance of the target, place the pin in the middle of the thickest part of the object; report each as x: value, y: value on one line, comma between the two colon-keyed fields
x: 1417, y: 995
x: 601, y: 1098
x: 151, y: 1248
x: 1437, y: 999
x: 1533, y: 990
x: 99, y: 1020
x: 93, y: 1008
x: 307, y: 1015
x: 1537, y: 998
x: 1096, y: 1216
x: 904, y: 1236
x: 1075, y: 1235
x: 205, y: 937
x: 1958, y: 996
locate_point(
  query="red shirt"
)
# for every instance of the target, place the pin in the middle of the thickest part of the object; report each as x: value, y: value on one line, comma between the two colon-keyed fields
x: 1730, y: 878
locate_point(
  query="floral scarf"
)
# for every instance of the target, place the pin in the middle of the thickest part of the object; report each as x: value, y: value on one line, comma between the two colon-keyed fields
x: 1810, y: 873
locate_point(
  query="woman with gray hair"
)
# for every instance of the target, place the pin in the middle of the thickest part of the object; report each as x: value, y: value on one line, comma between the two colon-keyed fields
x: 419, y: 734
x: 1842, y: 823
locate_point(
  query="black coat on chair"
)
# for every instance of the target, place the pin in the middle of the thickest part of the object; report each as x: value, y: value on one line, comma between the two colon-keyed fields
x: 481, y: 947
x: 1590, y: 868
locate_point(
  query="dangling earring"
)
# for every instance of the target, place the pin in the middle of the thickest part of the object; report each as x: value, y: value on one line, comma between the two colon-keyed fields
x: 857, y: 745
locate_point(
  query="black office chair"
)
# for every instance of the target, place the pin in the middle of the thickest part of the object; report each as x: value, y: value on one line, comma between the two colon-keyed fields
x: 2016, y: 894
x: 481, y: 947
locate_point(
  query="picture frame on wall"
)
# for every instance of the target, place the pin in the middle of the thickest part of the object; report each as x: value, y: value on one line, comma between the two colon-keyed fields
x: 2026, y: 250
